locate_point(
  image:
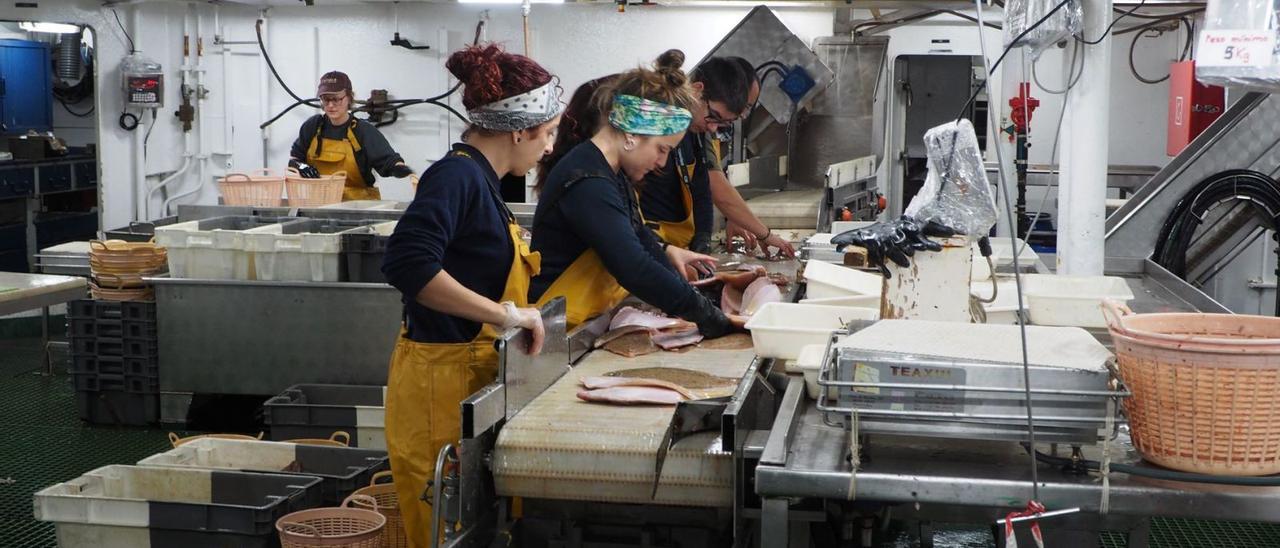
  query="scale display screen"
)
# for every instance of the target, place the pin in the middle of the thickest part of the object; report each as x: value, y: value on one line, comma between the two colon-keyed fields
x: 144, y: 90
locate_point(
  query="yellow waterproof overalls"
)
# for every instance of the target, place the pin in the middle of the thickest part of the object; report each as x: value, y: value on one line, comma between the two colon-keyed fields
x: 680, y: 233
x: 330, y: 156
x: 426, y: 385
x: 587, y: 286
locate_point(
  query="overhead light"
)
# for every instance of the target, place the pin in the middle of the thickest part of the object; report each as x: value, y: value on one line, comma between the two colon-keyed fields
x: 509, y: 1
x: 52, y: 28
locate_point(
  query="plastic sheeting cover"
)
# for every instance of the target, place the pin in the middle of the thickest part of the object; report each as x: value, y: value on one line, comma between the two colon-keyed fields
x: 956, y: 191
x: 1019, y: 15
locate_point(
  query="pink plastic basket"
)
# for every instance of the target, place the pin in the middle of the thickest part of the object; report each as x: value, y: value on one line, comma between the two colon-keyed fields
x: 304, y: 192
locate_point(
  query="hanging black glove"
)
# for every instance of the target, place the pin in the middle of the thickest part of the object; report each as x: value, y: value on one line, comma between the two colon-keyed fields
x: 307, y: 171
x: 896, y: 240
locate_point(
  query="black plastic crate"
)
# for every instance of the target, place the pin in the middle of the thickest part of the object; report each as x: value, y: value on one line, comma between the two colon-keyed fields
x: 91, y: 309
x: 142, y: 385
x: 319, y: 410
x: 137, y: 329
x: 362, y: 255
x: 118, y: 408
x: 100, y: 382
x: 97, y: 365
x: 142, y: 367
x: 80, y: 328
x: 97, y: 346
x: 141, y: 348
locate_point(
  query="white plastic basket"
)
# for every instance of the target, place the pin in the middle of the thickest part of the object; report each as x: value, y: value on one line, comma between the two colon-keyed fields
x: 309, y: 251
x: 780, y: 330
x: 1072, y: 301
x: 212, y: 249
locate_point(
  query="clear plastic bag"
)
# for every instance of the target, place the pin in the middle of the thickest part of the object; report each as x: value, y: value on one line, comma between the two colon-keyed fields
x: 956, y: 192
x: 1244, y: 55
x: 1019, y: 15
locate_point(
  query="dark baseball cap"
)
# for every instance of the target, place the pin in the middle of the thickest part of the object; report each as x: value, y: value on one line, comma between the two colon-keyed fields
x: 334, y: 82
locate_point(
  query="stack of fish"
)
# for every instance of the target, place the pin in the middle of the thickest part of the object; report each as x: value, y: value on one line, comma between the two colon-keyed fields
x: 745, y: 289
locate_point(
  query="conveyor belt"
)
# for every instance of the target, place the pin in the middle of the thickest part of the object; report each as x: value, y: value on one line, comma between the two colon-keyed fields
x: 560, y: 447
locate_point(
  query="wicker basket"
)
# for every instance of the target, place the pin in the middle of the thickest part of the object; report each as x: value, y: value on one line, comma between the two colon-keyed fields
x: 117, y: 287
x: 393, y: 535
x: 262, y: 189
x: 333, y: 527
x: 1206, y: 389
x: 304, y: 192
x: 176, y: 441
x: 338, y: 439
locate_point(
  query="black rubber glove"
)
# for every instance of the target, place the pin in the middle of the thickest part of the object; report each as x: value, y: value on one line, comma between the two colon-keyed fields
x: 712, y: 322
x: 401, y: 171
x: 701, y: 243
x: 305, y: 170
x: 896, y: 241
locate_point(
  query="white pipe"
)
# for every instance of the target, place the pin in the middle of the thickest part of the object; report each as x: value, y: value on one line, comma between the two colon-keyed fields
x: 139, y: 159
x: 197, y: 69
x: 185, y: 70
x: 1083, y: 193
x: 264, y: 90
x: 227, y: 138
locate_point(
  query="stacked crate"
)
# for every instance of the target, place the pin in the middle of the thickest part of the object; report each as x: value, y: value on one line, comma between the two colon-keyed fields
x: 115, y: 361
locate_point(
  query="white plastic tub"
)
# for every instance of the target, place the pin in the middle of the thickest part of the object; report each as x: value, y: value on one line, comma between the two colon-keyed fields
x: 827, y: 280
x: 810, y: 354
x: 304, y: 252
x: 810, y: 364
x: 214, y: 249
x: 781, y: 330
x: 1005, y: 308
x: 366, y: 204
x: 1072, y: 301
x: 859, y: 301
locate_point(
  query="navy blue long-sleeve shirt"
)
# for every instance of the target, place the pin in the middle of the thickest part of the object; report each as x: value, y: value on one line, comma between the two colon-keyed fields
x: 661, y: 196
x: 375, y: 152
x: 456, y: 223
x: 598, y: 212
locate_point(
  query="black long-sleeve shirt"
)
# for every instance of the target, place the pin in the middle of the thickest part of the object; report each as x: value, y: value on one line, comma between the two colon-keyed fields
x: 661, y: 196
x: 456, y: 223
x: 597, y: 212
x: 375, y: 152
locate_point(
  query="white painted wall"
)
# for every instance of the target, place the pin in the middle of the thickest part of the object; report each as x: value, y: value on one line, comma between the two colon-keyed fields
x: 577, y: 42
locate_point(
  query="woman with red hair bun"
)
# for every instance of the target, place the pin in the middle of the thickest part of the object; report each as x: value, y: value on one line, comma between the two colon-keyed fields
x: 459, y: 261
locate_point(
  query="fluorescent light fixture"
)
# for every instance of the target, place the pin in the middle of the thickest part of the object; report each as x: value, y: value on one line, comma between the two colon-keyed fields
x: 517, y: 2
x: 52, y: 28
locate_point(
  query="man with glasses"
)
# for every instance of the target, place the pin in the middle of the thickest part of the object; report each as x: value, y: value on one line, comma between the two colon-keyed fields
x: 677, y: 201
x: 335, y: 141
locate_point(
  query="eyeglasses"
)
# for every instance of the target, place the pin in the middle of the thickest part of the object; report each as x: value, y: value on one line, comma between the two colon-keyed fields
x: 715, y: 117
x: 332, y: 99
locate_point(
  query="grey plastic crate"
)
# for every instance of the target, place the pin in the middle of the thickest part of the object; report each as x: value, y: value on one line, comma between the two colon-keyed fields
x: 165, y: 507
x: 343, y: 469
x: 319, y: 410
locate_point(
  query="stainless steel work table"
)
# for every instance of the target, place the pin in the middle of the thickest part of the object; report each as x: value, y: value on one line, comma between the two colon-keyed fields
x: 23, y: 292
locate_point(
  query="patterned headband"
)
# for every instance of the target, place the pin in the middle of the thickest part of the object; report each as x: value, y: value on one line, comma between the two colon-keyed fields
x: 641, y: 116
x: 522, y: 111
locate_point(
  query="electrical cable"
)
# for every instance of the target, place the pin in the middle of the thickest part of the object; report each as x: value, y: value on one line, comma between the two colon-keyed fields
x: 1013, y: 235
x: 1071, y: 81
x: 1107, y: 31
x: 1156, y: 473
x: 67, y: 107
x: 1133, y: 68
x: 128, y: 121
x: 147, y: 137
x: 132, y: 48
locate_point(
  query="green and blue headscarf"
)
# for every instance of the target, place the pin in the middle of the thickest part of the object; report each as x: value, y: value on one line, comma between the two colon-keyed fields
x: 640, y: 116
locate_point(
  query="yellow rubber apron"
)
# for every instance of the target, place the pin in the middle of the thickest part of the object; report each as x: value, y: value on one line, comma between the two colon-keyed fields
x: 330, y: 156
x: 680, y: 233
x: 425, y: 388
x: 587, y: 286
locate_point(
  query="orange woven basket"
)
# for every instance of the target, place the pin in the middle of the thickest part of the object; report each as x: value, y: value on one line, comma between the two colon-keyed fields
x: 177, y: 441
x: 342, y: 527
x: 388, y: 504
x: 1206, y: 389
x: 304, y: 192
x: 337, y: 439
x: 262, y: 189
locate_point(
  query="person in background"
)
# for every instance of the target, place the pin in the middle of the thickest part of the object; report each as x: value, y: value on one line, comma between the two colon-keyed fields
x: 588, y: 227
x: 677, y: 200
x: 336, y: 141
x: 460, y: 262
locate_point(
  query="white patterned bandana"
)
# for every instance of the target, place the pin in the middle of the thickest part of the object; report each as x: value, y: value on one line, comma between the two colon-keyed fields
x: 521, y: 111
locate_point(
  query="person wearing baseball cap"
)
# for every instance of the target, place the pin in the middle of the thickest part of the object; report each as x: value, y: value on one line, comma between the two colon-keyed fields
x: 335, y: 141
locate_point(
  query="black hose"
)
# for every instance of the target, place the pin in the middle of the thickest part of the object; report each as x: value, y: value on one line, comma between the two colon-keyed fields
x: 1174, y: 238
x: 265, y: 57
x: 1160, y: 473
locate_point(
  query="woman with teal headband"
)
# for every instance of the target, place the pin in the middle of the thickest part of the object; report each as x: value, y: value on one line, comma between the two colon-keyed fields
x: 588, y: 227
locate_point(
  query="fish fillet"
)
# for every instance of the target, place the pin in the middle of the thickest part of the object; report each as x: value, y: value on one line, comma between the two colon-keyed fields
x: 630, y: 316
x: 672, y: 339
x: 731, y: 300
x: 596, y: 383
x: 687, y: 378
x: 760, y: 292
x: 619, y: 332
x: 739, y: 278
x: 632, y: 344
x: 632, y: 395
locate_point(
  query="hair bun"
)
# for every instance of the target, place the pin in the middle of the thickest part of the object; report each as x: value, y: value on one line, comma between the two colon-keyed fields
x: 480, y: 71
x: 668, y: 66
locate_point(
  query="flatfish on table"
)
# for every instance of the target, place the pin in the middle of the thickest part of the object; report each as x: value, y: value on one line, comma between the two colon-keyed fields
x: 701, y: 385
x: 736, y: 341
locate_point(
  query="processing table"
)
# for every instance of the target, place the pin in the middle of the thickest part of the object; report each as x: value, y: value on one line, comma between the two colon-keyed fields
x: 20, y: 292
